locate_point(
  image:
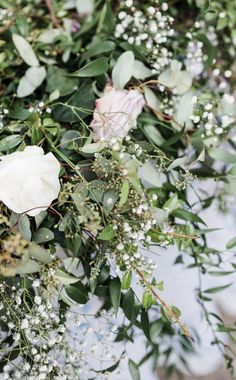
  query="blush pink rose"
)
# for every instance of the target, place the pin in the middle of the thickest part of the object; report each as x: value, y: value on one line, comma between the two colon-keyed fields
x: 116, y: 113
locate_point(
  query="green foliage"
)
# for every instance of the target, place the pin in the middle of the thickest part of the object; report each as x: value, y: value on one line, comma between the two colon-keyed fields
x: 111, y: 192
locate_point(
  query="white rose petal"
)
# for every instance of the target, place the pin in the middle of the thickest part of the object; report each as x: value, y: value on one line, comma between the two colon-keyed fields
x: 29, y: 180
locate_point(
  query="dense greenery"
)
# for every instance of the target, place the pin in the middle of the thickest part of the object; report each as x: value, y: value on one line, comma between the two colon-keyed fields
x: 117, y: 194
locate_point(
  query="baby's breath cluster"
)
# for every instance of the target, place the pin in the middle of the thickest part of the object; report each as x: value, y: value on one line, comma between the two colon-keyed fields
x: 149, y: 26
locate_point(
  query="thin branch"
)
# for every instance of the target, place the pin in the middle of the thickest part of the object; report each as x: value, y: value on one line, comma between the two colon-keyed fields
x: 175, y: 234
x: 183, y: 327
x: 53, y: 16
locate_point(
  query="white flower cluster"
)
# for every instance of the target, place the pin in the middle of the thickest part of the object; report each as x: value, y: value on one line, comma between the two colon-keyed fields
x: 150, y: 27
x: 40, y: 329
x: 214, y: 118
x: 135, y: 235
x: 3, y: 114
x: 51, y: 348
x: 4, y: 13
x: 194, y: 60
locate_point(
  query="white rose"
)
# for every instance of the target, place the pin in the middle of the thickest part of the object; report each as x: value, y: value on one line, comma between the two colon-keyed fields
x: 29, y: 180
x: 116, y: 113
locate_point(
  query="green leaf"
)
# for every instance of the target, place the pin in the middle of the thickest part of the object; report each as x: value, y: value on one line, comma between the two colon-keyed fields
x: 74, y: 243
x: 24, y: 227
x: 10, y: 142
x: 176, y: 311
x: 77, y: 292
x: 63, y: 222
x: 64, y: 278
x: 32, y: 79
x: 99, y: 48
x: 178, y: 162
x: 92, y: 69
x: 154, y: 134
x: 82, y: 101
x: 156, y: 328
x: 39, y: 218
x: 187, y: 215
x: 152, y: 102
x: 25, y: 50
x: 140, y: 71
x: 220, y: 273
x: 30, y: 266
x: 210, y: 49
x: 145, y: 324
x: 124, y: 193
x: 147, y: 300
x: 43, y: 235
x: 71, y: 140
x: 108, y: 233
x: 151, y: 175
x: 123, y: 69
x: 58, y: 83
x: 97, y: 190
x: 109, y: 199
x: 71, y: 264
x: 171, y: 204
x: 115, y: 293
x: 222, y: 155
x: 231, y: 243
x: 132, y: 168
x: 39, y: 253
x: 126, y: 280
x: 92, y: 148
x: 128, y: 304
x: 134, y: 370
x: 217, y: 289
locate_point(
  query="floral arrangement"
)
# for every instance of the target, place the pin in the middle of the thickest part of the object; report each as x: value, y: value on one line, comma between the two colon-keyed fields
x: 110, y: 112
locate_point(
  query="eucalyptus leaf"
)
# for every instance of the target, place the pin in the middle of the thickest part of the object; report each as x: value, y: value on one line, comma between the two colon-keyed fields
x: 24, y: 227
x: 140, y: 71
x: 178, y: 162
x: 108, y: 233
x: 32, y: 79
x: 39, y: 253
x: 92, y: 148
x: 25, y: 50
x: 43, y: 235
x: 152, y: 100
x: 123, y: 70
x: 115, y: 293
x: 231, y: 243
x: 29, y: 267
x: 64, y: 278
x: 134, y: 370
x: 77, y: 293
x: 92, y: 69
x: 149, y: 173
x: 10, y: 142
